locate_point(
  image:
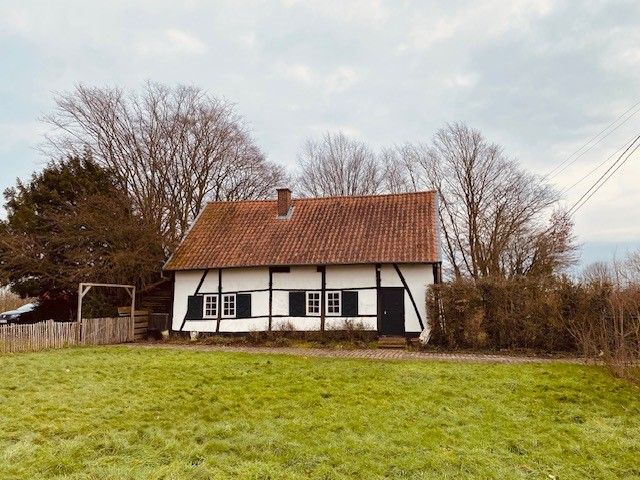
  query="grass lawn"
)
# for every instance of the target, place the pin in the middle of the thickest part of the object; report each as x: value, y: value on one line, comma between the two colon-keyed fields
x: 120, y: 412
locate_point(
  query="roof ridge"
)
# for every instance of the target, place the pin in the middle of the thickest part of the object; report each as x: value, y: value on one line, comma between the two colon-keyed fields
x: 369, y: 195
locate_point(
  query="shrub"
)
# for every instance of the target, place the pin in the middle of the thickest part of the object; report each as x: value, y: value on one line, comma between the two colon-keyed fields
x: 520, y: 313
x: 595, y: 318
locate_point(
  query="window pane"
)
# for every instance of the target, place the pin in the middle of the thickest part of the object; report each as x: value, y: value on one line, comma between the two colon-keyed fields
x: 229, y: 305
x: 333, y: 303
x: 210, y: 306
x: 313, y: 303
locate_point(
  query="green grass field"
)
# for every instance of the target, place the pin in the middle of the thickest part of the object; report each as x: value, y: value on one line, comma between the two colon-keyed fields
x: 119, y: 412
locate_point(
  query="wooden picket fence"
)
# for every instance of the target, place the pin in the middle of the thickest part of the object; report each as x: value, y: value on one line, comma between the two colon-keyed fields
x: 50, y: 334
x: 141, y: 321
x: 105, y: 331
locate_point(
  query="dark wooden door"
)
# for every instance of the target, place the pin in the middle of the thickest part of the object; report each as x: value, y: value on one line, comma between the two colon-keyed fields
x: 392, y: 311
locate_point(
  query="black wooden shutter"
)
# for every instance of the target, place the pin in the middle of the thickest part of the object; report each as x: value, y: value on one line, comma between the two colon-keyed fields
x: 349, y: 304
x: 194, y: 307
x: 297, y: 308
x: 243, y: 305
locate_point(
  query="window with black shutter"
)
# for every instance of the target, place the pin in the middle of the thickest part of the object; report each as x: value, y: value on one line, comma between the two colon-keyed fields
x: 349, y: 304
x: 229, y: 305
x: 297, y: 307
x: 194, y: 307
x: 313, y: 303
x: 243, y: 305
x: 210, y: 306
x: 333, y: 303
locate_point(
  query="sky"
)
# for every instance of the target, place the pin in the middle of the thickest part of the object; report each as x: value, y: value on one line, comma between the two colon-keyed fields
x: 540, y: 77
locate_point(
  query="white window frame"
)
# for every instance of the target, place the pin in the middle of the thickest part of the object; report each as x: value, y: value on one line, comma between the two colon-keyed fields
x: 222, y: 305
x: 317, y: 297
x: 328, y: 308
x: 215, y: 303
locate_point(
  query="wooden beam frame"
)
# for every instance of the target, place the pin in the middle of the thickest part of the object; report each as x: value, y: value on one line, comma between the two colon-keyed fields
x: 83, y: 289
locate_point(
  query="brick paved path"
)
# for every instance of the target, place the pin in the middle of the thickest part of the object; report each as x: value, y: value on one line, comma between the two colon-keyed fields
x: 374, y: 354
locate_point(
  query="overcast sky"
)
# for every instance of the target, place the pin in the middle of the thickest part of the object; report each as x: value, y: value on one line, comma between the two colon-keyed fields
x: 538, y: 77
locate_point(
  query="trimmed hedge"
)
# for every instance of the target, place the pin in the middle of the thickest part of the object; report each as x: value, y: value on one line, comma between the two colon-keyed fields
x: 519, y: 313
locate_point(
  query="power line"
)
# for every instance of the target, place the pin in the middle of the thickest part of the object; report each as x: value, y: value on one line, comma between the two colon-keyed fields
x: 612, y: 166
x: 615, y: 166
x: 591, y: 172
x: 564, y: 165
x: 606, y: 179
x: 592, y: 146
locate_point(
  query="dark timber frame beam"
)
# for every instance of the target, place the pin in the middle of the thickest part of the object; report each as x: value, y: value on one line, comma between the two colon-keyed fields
x: 406, y: 287
x: 378, y: 297
x: 270, y: 298
x: 323, y: 291
x: 219, y: 300
x: 204, y: 275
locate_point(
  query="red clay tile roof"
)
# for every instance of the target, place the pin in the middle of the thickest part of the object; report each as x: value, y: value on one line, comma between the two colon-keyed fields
x: 398, y: 228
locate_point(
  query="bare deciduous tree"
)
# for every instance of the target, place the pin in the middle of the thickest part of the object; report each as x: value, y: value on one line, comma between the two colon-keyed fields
x: 173, y: 149
x: 337, y: 165
x: 492, y: 212
x: 597, y: 273
x: 611, y: 327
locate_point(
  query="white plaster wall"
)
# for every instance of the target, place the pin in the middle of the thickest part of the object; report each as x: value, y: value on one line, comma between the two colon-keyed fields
x: 350, y: 276
x: 185, y: 284
x: 244, y: 324
x: 280, y: 303
x: 260, y: 304
x: 236, y: 279
x: 302, y: 324
x: 367, y: 302
x: 389, y: 277
x: 197, y: 326
x: 418, y: 277
x: 210, y: 284
x: 299, y: 278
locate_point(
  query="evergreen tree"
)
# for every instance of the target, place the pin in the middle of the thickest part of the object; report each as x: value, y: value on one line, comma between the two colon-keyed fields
x: 70, y: 224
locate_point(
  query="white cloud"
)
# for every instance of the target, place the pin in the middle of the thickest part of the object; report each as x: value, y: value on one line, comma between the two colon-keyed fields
x: 341, y: 79
x: 249, y: 40
x: 537, y: 76
x: 297, y: 72
x: 14, y: 22
x: 336, y: 81
x: 481, y: 21
x: 424, y: 36
x: 462, y: 80
x: 318, y: 129
x: 364, y: 11
x: 172, y: 41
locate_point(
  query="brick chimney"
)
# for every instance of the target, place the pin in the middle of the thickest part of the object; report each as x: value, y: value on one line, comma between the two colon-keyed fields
x: 284, y: 201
